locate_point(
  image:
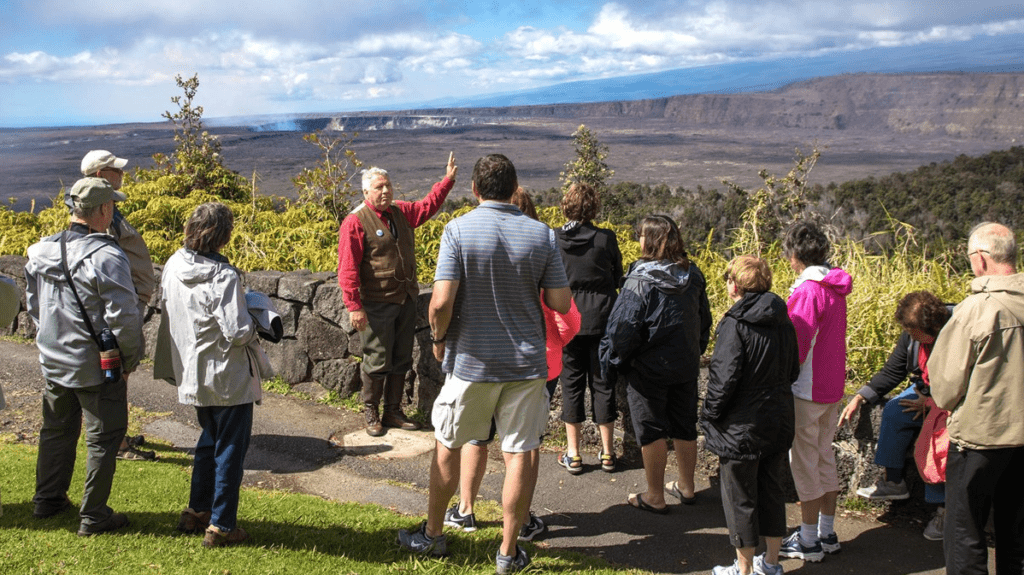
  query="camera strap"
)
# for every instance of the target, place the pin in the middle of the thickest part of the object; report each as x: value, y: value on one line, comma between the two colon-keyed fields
x: 71, y: 282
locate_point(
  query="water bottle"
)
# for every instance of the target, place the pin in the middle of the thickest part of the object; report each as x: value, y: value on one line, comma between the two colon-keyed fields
x: 110, y: 356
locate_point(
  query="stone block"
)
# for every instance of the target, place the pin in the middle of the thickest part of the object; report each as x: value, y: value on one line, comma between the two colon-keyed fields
x: 298, y: 287
x: 340, y: 375
x: 264, y: 281
x: 321, y: 339
x: 328, y: 304
x: 289, y: 360
x: 289, y: 312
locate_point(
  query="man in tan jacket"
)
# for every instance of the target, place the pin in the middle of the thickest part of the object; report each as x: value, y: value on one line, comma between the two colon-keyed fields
x: 976, y: 372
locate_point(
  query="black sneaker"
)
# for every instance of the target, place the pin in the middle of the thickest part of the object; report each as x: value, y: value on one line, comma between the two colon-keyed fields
x: 452, y: 518
x: 43, y: 513
x: 112, y: 523
x: 419, y: 542
x: 505, y: 564
x: 532, y: 528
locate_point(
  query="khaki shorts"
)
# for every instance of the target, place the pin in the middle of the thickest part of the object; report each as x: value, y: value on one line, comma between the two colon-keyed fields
x: 464, y: 409
x: 812, y: 458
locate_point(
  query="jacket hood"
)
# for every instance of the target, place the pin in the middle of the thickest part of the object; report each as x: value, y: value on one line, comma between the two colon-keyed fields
x: 199, y: 268
x: 1012, y: 285
x: 669, y: 277
x: 835, y: 279
x: 764, y: 308
x: 45, y: 256
x: 575, y: 234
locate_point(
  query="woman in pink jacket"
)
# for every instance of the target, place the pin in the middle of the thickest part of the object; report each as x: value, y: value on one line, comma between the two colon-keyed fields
x: 817, y: 307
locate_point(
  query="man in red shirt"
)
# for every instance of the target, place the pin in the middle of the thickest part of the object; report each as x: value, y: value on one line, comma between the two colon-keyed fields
x: 377, y: 275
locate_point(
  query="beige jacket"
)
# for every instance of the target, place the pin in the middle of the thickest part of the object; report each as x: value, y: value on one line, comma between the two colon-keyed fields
x: 976, y: 368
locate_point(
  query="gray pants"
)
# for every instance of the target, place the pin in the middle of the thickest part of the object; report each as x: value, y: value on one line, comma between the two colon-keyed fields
x: 388, y: 339
x: 105, y: 410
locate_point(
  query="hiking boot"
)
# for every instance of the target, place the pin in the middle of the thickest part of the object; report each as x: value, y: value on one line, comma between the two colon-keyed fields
x: 133, y: 454
x: 214, y: 537
x: 452, y: 518
x: 193, y: 521
x: 395, y: 418
x: 532, y: 528
x: 44, y: 513
x: 830, y: 544
x: 419, y: 542
x: 794, y: 548
x: 373, y: 425
x: 762, y: 568
x: 933, y: 531
x: 505, y: 564
x: 112, y: 523
x: 885, y: 491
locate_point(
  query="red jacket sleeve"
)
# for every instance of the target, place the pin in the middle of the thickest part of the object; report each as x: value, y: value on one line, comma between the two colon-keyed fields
x: 350, y: 255
x: 420, y: 211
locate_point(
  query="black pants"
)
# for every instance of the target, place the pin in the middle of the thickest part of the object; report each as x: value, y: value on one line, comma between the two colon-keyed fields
x: 977, y: 481
x: 752, y: 497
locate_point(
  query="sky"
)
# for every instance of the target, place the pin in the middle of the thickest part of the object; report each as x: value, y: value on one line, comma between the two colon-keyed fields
x: 68, y: 62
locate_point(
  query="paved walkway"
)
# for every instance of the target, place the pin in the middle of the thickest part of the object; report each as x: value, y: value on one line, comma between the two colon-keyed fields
x: 587, y: 512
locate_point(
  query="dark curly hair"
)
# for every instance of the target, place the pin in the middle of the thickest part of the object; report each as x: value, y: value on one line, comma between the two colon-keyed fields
x: 807, y: 242
x: 495, y: 177
x: 581, y: 203
x: 922, y: 310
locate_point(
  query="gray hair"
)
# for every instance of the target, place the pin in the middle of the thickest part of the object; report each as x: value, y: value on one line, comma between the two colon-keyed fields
x: 85, y: 213
x: 370, y: 173
x: 997, y: 240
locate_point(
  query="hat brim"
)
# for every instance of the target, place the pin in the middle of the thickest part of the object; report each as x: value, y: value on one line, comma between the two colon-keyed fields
x: 119, y: 163
x: 119, y: 196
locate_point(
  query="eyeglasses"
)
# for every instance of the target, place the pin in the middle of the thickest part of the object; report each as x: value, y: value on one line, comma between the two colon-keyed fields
x: 969, y: 254
x: 111, y: 169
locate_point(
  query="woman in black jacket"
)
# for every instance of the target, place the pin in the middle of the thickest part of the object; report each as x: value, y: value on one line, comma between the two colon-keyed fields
x: 657, y: 331
x: 593, y: 265
x: 748, y: 413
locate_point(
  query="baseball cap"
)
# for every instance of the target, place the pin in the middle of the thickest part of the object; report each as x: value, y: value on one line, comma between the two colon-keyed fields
x: 96, y: 160
x: 92, y: 192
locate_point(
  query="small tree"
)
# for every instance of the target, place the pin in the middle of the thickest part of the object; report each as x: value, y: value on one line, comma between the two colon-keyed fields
x: 197, y: 156
x: 329, y: 184
x: 589, y: 167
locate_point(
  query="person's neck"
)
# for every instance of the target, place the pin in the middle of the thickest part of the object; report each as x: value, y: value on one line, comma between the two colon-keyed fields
x: 94, y: 226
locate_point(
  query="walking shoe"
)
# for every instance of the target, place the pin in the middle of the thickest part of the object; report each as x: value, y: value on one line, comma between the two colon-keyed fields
x: 420, y: 542
x: 192, y: 521
x: 452, y: 518
x: 112, y: 523
x: 885, y: 491
x: 933, y: 531
x: 830, y: 544
x: 42, y: 513
x: 398, y: 420
x: 133, y: 454
x: 607, y: 461
x: 762, y: 568
x: 532, y: 528
x: 573, y: 465
x: 374, y: 428
x: 505, y: 564
x: 792, y: 547
x: 214, y: 537
x: 733, y: 569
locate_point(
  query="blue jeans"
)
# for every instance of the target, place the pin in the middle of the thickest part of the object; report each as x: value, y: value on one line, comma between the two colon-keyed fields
x: 217, y: 469
x: 896, y: 435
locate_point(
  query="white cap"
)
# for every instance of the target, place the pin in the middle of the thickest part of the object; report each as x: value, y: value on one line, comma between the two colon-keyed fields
x: 96, y: 160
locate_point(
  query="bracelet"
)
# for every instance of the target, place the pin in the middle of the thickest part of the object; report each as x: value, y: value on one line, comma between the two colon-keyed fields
x: 436, y: 340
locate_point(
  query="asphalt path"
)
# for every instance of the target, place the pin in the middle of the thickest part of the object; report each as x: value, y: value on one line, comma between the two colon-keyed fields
x: 306, y: 447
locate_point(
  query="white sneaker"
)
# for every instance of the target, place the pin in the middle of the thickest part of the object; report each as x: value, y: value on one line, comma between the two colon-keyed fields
x: 762, y: 568
x: 933, y: 531
x: 885, y: 491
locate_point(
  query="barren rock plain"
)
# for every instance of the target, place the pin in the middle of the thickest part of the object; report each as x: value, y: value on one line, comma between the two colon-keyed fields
x: 37, y: 162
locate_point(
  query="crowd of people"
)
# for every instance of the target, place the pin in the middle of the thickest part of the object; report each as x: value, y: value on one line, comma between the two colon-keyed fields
x: 517, y: 311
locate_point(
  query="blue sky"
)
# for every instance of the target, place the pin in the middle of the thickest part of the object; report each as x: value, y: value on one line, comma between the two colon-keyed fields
x: 67, y: 62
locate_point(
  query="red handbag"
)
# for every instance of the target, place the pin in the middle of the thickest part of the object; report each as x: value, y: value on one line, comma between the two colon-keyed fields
x: 932, y: 445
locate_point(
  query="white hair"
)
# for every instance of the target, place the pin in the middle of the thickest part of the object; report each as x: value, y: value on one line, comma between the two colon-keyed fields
x: 370, y: 173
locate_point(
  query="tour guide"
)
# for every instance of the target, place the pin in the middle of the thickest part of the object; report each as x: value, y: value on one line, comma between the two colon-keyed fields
x: 377, y: 275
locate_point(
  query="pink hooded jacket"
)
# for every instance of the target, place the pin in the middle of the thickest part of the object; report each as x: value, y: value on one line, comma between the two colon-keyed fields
x: 817, y: 307
x: 560, y: 329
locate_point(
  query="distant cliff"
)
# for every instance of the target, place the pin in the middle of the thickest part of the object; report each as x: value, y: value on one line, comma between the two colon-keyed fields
x: 973, y: 106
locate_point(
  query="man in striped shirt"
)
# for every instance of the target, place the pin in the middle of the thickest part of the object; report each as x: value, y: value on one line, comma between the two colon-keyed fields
x: 494, y: 266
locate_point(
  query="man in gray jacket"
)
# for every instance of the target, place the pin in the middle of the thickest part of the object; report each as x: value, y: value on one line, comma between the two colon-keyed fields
x: 69, y: 354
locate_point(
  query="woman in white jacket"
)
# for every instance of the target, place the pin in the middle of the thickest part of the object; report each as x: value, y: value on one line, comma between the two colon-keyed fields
x: 211, y: 332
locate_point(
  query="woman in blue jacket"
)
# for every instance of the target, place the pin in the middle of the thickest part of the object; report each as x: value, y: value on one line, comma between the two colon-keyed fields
x: 658, y: 329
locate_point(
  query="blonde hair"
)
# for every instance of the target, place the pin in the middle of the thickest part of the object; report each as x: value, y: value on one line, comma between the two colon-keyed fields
x: 749, y: 274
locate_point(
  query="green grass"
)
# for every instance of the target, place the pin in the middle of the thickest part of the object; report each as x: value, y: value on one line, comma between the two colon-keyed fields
x: 290, y: 533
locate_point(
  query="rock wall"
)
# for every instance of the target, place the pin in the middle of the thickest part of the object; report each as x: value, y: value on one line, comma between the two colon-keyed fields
x: 320, y: 345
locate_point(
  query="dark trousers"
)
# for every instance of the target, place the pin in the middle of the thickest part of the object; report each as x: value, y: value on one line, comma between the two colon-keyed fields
x: 217, y: 469
x: 753, y: 498
x: 978, y: 481
x: 581, y: 370
x: 105, y: 410
x: 388, y: 337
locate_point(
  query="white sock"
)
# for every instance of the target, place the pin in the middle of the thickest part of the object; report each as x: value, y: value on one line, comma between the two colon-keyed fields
x: 808, y: 534
x: 826, y: 525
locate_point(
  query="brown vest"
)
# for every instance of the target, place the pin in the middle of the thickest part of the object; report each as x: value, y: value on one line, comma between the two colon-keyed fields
x: 388, y: 270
